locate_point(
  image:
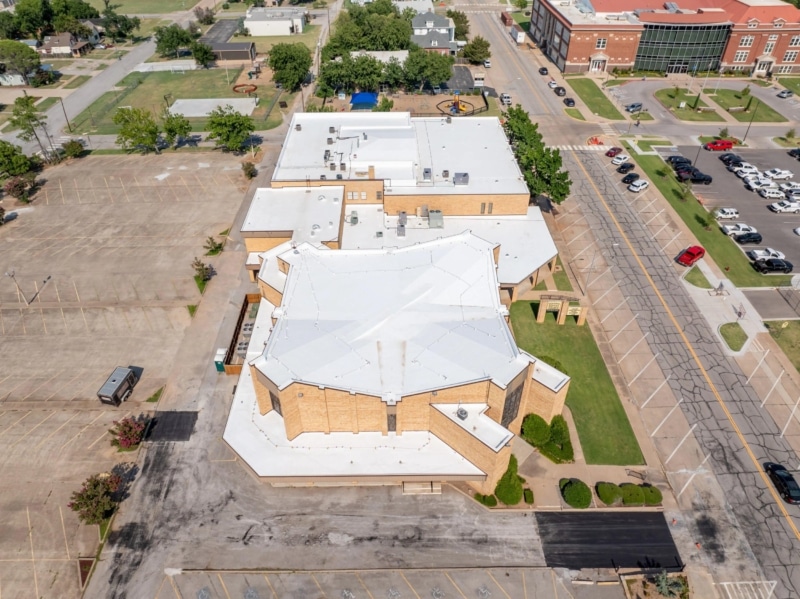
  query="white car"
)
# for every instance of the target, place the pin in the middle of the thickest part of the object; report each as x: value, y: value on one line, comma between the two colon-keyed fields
x: 785, y: 206
x: 756, y: 183
x: 487, y: 64
x: 778, y: 174
x: 790, y: 186
x: 746, y: 171
x: 737, y: 229
x: 638, y: 185
x: 765, y: 254
x: 725, y: 213
x: 552, y: 84
x: 771, y: 194
x: 619, y: 159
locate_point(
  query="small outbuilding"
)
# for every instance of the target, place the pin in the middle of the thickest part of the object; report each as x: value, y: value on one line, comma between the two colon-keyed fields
x: 264, y: 22
x: 234, y: 51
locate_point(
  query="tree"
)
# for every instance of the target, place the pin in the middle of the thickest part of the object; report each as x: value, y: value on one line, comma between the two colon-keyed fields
x: 96, y: 501
x: 791, y: 133
x: 204, y: 16
x: 9, y: 29
x: 128, y: 433
x: 290, y: 64
x: 138, y: 129
x: 229, y: 128
x: 27, y: 119
x: 385, y: 105
x: 118, y: 27
x: 18, y: 188
x: 427, y: 67
x: 366, y: 72
x: 521, y: 4
x: 74, y: 8
x: 69, y: 24
x: 202, y: 53
x: 746, y: 91
x: 202, y: 271
x: 73, y: 148
x: 12, y: 161
x: 668, y: 587
x: 461, y: 23
x: 170, y: 39
x: 477, y: 50
x: 212, y: 246
x: 393, y: 74
x: 18, y: 58
x: 33, y: 16
x: 509, y: 487
x: 177, y: 128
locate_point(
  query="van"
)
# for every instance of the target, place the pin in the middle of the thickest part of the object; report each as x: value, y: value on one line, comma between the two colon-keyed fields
x: 719, y: 145
x: 505, y: 99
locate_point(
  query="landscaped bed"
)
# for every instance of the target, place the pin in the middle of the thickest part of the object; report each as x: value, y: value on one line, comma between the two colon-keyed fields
x: 757, y: 111
x: 672, y: 99
x: 734, y: 335
x: 594, y: 98
x: 787, y: 334
x: 606, y: 436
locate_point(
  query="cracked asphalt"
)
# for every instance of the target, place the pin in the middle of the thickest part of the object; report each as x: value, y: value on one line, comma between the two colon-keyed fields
x: 752, y: 510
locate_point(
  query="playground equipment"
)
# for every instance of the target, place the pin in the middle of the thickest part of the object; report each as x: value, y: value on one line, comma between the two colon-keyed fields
x: 456, y: 106
x: 244, y: 88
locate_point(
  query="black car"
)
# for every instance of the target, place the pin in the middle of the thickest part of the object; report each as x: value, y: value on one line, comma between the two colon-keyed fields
x: 569, y: 102
x: 695, y: 177
x: 784, y: 482
x: 630, y: 178
x: 727, y: 158
x: 772, y: 265
x: 560, y: 91
x: 749, y: 238
x: 543, y: 70
x: 794, y: 153
x: 676, y: 159
x: 625, y: 168
x: 683, y: 169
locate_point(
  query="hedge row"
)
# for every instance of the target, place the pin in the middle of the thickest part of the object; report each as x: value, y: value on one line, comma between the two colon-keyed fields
x: 552, y: 440
x: 628, y: 494
x: 487, y: 500
x: 509, y: 487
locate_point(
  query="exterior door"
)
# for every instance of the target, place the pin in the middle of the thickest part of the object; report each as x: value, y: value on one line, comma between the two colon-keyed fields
x: 597, y: 66
x: 763, y: 66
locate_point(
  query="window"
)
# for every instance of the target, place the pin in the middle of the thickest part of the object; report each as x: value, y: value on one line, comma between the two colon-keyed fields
x: 746, y: 41
x: 601, y: 43
x: 740, y: 56
x: 511, y: 405
x: 378, y: 195
x: 785, y: 68
x: 363, y: 195
x: 491, y: 206
x: 773, y: 37
x: 790, y: 56
x: 769, y: 47
x: 752, y: 24
x: 778, y: 24
x: 350, y: 195
x: 795, y: 41
x: 276, y: 402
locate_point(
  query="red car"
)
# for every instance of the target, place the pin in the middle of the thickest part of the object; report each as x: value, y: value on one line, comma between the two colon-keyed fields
x: 613, y: 152
x: 691, y: 255
x: 718, y: 145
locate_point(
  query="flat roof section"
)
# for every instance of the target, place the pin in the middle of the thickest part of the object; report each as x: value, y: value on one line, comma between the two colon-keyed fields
x: 525, y: 241
x: 310, y: 214
x: 392, y: 322
x: 413, y: 155
x: 261, y: 442
x: 471, y: 418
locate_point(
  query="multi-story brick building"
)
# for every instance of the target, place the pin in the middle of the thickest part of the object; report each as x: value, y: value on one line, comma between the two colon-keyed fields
x: 757, y: 36
x: 385, y: 252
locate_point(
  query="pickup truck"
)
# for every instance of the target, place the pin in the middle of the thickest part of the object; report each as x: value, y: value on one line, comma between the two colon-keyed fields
x: 766, y: 254
x: 726, y: 213
x: 737, y: 229
x: 785, y: 206
x: 778, y: 174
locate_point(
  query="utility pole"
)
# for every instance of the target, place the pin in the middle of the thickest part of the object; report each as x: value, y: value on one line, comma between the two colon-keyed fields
x: 751, y: 122
x: 69, y: 126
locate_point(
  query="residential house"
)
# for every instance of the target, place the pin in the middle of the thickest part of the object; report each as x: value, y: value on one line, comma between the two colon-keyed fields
x: 63, y: 44
x: 435, y: 33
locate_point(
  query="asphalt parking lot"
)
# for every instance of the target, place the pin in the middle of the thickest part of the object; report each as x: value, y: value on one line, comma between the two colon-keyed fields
x: 728, y: 190
x: 221, y: 31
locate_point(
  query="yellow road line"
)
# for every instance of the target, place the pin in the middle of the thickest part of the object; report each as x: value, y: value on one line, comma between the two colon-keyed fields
x: 274, y: 594
x: 453, y: 582
x: 409, y: 584
x: 224, y: 588
x: 501, y: 586
x: 693, y: 353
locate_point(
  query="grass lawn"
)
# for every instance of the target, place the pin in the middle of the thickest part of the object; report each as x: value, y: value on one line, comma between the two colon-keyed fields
x: 76, y: 82
x: 672, y: 99
x: 792, y: 83
x: 157, y: 395
x: 147, y: 90
x: 574, y: 113
x: 45, y: 104
x: 594, y: 98
x: 141, y: 7
x: 759, y: 111
x: 521, y: 20
x: 647, y: 145
x: 561, y: 279
x: 696, y: 277
x: 787, y: 337
x: 734, y: 335
x: 787, y: 143
x: 605, y: 434
x: 645, y: 116
x: 264, y: 44
x: 720, y: 247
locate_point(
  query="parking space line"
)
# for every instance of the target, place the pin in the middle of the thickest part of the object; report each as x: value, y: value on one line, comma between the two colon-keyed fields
x: 678, y: 446
x: 105, y: 433
x: 524, y: 588
x: 364, y: 585
x: 64, y: 529
x: 15, y: 423
x: 77, y: 295
x: 33, y: 557
x: 502, y: 590
x: 75, y: 415
x: 316, y: 582
x: 274, y: 594
x: 654, y: 216
x: 77, y: 376
x: 23, y: 437
x: 224, y: 588
x: 453, y: 582
x: 40, y: 386
x: 174, y: 587
x: 403, y: 576
x: 76, y: 435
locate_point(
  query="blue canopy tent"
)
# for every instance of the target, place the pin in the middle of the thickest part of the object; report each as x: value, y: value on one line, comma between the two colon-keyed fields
x: 364, y: 101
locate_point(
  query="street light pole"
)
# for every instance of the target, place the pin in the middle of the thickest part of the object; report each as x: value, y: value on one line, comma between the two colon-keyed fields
x: 10, y: 274
x: 69, y: 126
x: 755, y: 110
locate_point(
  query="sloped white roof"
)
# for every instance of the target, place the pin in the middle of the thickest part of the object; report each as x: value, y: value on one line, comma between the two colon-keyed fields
x: 392, y: 322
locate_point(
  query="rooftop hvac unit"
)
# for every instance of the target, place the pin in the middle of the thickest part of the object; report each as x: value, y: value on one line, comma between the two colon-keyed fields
x: 365, y: 136
x: 342, y: 166
x: 422, y: 211
x: 461, y: 179
x: 401, y: 230
x: 322, y: 177
x: 332, y: 166
x: 339, y: 176
x: 449, y: 119
x: 379, y: 234
x: 446, y: 174
x: 327, y: 155
x: 436, y: 219
x: 354, y: 218
x: 402, y: 218
x: 671, y: 6
x: 330, y: 141
x: 331, y: 129
x: 427, y: 174
x: 298, y: 127
x: 461, y: 413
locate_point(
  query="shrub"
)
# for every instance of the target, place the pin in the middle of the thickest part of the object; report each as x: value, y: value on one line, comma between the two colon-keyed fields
x: 527, y: 495
x: 609, y: 493
x: 558, y: 455
x: 249, y: 170
x: 723, y: 133
x: 509, y: 489
x: 73, y: 149
x: 201, y: 270
x: 652, y: 495
x: 535, y: 430
x: 18, y: 188
x: 576, y: 493
x: 791, y: 134
x: 128, y: 432
x: 667, y: 586
x: 553, y: 362
x: 95, y: 501
x: 225, y: 6
x: 632, y: 495
x: 487, y: 500
x: 559, y: 431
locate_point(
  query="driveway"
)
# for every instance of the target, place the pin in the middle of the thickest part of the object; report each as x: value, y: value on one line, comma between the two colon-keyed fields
x: 221, y: 31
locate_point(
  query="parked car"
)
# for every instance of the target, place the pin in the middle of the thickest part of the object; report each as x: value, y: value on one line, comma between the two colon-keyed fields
x: 745, y: 238
x: 613, y: 152
x: 638, y: 185
x: 785, y: 93
x: 746, y: 171
x: 673, y: 159
x: 773, y: 265
x: 719, y: 145
x: 727, y: 158
x: 784, y: 482
x: 625, y: 168
x: 794, y: 152
x: 734, y: 229
x: 505, y: 99
x: 785, y: 206
x: 791, y: 186
x: 691, y: 255
x: 768, y: 193
x: 685, y: 167
x: 765, y: 254
x: 487, y: 64
x: 778, y: 174
x: 619, y: 159
x: 560, y: 91
x: 543, y: 70
x: 630, y: 178
x: 726, y: 213
x: 552, y: 84
x: 696, y: 177
x: 635, y: 107
x: 756, y: 182
x: 569, y: 102
x: 737, y: 164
